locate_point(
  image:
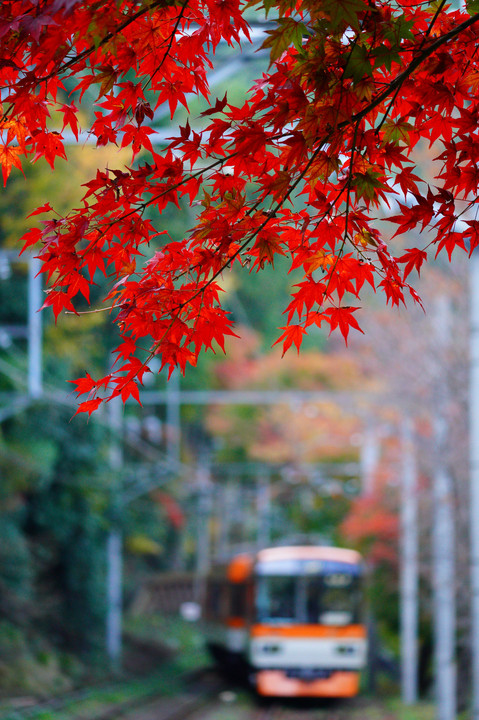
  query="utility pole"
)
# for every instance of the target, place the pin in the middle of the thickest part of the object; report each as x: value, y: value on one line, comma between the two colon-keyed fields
x: 443, y: 537
x: 114, y: 580
x: 34, y: 328
x: 203, y: 544
x: 263, y: 500
x: 173, y: 418
x: 226, y: 499
x: 409, y: 570
x: 114, y: 599
x: 474, y: 475
x: 369, y: 457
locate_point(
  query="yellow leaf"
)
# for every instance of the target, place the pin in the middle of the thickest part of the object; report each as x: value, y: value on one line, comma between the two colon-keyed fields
x: 142, y: 545
x: 320, y: 259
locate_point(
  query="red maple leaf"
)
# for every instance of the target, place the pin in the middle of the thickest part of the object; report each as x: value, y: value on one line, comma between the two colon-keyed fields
x: 414, y: 258
x: 89, y: 406
x: 342, y: 318
x: 334, y: 129
x: 84, y: 385
x: 292, y: 334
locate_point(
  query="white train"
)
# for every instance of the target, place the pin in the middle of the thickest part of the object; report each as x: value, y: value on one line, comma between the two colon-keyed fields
x: 291, y: 619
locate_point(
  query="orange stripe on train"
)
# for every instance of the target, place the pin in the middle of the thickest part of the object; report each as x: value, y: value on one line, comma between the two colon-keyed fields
x: 310, y: 631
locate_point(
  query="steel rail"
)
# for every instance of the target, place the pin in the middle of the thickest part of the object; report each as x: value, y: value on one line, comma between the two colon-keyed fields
x: 198, y: 687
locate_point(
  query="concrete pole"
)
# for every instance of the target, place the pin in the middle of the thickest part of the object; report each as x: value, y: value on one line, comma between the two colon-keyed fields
x: 368, y: 461
x: 203, y: 540
x: 474, y: 473
x: 114, y: 580
x: 173, y: 417
x: 34, y: 328
x: 224, y: 511
x: 114, y: 599
x: 409, y: 570
x: 443, y: 539
x: 444, y: 598
x: 263, y: 502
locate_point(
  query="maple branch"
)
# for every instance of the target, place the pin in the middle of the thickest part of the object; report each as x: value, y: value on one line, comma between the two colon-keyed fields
x: 83, y: 55
x: 436, y: 15
x: 355, y: 119
x: 350, y: 177
x: 109, y: 36
x: 270, y: 215
x: 89, y: 312
x: 426, y: 35
x: 156, y: 346
x: 415, y: 63
x: 468, y: 64
x: 177, y: 310
x: 388, y: 110
x: 322, y: 108
x: 348, y: 196
x: 142, y: 206
x: 170, y: 43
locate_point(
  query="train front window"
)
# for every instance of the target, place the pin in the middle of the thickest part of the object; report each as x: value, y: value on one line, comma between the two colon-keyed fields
x: 339, y: 599
x: 329, y: 595
x: 276, y: 599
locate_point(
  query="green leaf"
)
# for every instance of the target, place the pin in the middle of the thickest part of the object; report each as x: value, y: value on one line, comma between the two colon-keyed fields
x: 289, y: 32
x: 398, y: 29
x: 396, y: 132
x: 344, y: 12
x: 366, y: 184
x: 268, y: 4
x: 472, y: 6
x: 359, y: 64
x: 386, y: 56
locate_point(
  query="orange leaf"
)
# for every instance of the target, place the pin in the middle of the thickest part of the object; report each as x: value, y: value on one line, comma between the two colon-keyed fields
x: 319, y: 259
x: 9, y: 158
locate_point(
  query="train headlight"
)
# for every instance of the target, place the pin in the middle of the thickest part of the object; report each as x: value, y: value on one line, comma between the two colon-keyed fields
x: 346, y: 649
x: 271, y: 649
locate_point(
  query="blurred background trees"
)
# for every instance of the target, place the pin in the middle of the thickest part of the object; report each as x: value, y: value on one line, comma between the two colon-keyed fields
x: 292, y: 468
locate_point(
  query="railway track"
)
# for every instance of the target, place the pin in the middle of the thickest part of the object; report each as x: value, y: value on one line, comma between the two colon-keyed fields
x: 246, y: 708
x: 182, y: 708
x: 198, y: 695
x: 356, y: 709
x: 166, y: 695
x: 203, y: 696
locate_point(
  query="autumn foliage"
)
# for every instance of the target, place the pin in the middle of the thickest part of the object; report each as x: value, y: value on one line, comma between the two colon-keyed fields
x: 353, y: 87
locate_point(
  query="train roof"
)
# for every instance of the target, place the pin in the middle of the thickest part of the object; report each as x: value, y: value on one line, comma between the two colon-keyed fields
x: 241, y: 566
x: 309, y: 552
